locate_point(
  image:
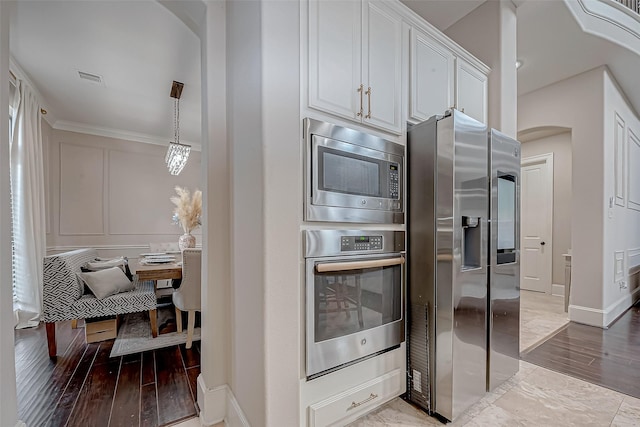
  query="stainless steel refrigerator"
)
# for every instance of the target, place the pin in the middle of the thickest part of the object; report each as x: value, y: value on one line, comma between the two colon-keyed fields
x: 463, y: 275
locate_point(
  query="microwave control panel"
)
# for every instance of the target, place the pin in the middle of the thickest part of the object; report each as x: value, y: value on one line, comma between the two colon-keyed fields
x: 360, y: 243
x: 393, y: 181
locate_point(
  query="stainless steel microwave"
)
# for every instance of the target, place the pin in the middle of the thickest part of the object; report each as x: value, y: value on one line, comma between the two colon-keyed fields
x: 351, y: 176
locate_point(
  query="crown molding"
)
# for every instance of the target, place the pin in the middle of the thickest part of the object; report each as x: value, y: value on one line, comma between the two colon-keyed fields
x: 117, y: 134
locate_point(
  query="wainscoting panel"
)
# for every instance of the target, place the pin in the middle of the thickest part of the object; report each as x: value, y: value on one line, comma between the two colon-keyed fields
x: 619, y: 152
x: 634, y: 171
x: 633, y: 261
x: 81, y: 190
x: 139, y: 190
x: 618, y: 266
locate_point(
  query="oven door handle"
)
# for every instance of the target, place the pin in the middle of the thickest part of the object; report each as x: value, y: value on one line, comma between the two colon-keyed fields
x: 357, y: 265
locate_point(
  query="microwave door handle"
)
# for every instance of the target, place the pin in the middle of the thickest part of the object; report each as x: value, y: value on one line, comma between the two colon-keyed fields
x: 357, y: 265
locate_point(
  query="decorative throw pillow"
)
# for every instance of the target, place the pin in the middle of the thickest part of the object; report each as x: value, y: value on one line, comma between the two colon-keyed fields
x: 103, y: 263
x: 106, y: 282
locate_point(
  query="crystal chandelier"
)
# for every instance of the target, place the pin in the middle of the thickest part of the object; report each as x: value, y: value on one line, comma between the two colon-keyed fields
x: 177, y: 153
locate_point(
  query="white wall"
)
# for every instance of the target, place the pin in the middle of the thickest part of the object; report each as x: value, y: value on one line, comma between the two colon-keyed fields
x: 244, y: 121
x: 111, y: 193
x: 577, y: 103
x: 215, y: 359
x: 622, y: 185
x: 282, y: 186
x: 495, y: 45
x: 560, y: 146
x: 8, y: 405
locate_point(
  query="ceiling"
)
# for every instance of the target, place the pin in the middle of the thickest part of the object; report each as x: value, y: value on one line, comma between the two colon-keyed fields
x: 442, y: 13
x: 562, y: 50
x: 138, y: 47
x: 549, y: 41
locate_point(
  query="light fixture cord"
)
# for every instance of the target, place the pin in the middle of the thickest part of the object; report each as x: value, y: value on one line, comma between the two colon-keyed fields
x: 176, y: 121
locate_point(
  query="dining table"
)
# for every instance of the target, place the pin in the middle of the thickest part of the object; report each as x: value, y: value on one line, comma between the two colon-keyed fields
x: 155, y: 272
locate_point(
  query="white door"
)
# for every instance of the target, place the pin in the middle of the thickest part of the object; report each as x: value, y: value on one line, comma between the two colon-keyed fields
x: 536, y: 223
x: 432, y: 71
x: 471, y: 89
x: 335, y: 57
x: 382, y: 66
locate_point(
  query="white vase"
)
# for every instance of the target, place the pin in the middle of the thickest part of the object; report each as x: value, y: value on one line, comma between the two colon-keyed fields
x: 187, y: 240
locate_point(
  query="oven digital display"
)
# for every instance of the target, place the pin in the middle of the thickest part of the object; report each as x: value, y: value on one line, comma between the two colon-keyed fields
x: 360, y: 243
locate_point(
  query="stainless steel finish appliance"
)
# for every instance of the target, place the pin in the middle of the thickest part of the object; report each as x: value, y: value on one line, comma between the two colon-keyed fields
x: 449, y: 205
x: 354, y: 296
x: 504, y: 259
x: 352, y: 176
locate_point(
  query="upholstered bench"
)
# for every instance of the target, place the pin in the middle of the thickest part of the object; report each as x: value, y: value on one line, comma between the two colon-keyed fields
x: 65, y: 298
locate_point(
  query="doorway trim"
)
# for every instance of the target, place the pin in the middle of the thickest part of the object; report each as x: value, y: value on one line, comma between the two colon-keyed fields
x: 546, y: 159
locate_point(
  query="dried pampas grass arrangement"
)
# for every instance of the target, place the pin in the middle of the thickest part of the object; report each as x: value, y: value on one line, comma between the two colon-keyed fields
x: 188, y: 209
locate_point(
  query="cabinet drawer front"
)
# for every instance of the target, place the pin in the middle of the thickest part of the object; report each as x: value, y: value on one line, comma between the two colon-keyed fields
x: 100, y: 336
x: 353, y: 403
x: 104, y: 325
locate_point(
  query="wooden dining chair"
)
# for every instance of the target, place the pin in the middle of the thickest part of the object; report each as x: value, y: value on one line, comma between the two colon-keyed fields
x: 187, y: 296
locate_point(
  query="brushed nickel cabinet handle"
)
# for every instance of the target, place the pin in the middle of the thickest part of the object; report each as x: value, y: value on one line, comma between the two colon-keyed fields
x: 357, y: 265
x: 360, y: 90
x: 368, y: 399
x: 368, y: 93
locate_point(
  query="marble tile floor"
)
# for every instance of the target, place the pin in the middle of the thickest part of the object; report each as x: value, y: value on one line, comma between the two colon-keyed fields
x: 540, y: 316
x: 195, y: 422
x: 534, y: 397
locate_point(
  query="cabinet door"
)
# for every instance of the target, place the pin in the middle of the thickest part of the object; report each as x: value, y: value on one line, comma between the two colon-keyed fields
x: 471, y: 85
x: 382, y: 66
x: 432, y: 71
x: 335, y: 57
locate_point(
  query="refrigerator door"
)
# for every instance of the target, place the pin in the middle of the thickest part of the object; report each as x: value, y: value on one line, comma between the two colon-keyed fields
x: 462, y: 206
x: 504, y: 258
x: 448, y: 205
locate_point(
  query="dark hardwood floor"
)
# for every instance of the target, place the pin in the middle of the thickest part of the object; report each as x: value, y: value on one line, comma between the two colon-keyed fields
x: 85, y: 387
x: 609, y: 358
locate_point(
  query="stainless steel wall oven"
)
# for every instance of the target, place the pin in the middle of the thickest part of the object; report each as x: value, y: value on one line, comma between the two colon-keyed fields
x: 354, y: 296
x: 352, y: 176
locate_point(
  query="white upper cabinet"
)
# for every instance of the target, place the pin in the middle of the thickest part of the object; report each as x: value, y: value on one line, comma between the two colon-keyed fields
x: 382, y: 66
x: 335, y: 56
x: 471, y: 86
x: 444, y: 76
x: 355, y: 62
x: 432, y: 77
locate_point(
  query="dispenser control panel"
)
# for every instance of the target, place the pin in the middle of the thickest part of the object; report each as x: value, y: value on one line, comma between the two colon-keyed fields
x: 360, y: 243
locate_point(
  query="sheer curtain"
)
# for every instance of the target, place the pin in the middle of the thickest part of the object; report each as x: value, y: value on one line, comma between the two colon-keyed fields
x: 28, y: 214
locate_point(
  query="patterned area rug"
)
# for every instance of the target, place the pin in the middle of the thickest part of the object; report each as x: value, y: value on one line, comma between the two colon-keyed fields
x: 134, y: 335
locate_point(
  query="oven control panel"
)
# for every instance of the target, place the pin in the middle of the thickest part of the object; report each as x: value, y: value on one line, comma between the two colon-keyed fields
x: 360, y: 243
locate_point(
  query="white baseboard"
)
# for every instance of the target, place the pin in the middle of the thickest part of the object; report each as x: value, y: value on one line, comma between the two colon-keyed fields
x: 219, y: 404
x: 557, y: 290
x: 612, y: 312
x: 235, y: 417
x: 586, y: 315
x: 603, y: 318
x: 212, y: 403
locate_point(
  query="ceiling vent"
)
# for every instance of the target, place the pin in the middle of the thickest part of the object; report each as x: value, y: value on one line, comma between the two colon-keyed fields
x: 93, y: 78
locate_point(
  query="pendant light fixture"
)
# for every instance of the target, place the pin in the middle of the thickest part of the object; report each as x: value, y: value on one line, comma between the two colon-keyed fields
x: 177, y: 153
